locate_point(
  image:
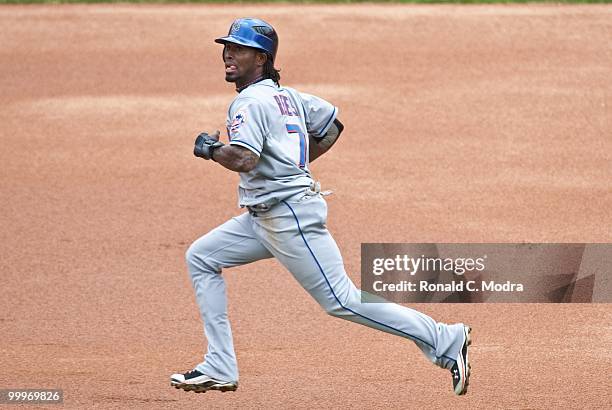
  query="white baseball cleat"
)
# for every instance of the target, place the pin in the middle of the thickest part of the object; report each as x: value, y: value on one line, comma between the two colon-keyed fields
x: 198, y: 382
x: 461, y: 368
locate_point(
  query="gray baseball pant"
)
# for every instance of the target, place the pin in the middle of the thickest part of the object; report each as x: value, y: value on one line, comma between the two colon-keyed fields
x: 294, y: 232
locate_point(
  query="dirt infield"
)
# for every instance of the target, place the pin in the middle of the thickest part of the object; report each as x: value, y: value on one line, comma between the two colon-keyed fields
x: 464, y: 124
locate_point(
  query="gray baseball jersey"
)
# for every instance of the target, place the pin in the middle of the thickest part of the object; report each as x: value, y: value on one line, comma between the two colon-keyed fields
x: 276, y: 120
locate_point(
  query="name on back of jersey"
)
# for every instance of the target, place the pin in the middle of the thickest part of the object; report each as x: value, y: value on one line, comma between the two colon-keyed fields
x: 285, y: 105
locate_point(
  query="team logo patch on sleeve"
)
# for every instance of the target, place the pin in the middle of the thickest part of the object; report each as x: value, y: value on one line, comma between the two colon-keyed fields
x: 239, y: 119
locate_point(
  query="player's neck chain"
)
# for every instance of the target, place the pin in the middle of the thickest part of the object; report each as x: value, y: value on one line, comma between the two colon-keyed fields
x: 258, y: 79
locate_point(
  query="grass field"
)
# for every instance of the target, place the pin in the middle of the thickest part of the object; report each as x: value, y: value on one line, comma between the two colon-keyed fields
x: 307, y: 1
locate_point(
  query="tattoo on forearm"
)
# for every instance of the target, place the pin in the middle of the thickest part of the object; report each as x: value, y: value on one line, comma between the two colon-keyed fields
x: 250, y: 160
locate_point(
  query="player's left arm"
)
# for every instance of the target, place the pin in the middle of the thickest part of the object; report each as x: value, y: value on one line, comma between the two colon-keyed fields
x: 320, y: 145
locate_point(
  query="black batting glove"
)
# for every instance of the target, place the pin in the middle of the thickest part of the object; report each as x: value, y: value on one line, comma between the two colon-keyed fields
x: 205, y: 145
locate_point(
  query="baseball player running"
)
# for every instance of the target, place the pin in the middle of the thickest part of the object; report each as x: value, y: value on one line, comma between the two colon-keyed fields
x: 274, y: 132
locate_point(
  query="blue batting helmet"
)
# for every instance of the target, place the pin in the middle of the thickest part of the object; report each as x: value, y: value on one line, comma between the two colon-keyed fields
x: 252, y: 32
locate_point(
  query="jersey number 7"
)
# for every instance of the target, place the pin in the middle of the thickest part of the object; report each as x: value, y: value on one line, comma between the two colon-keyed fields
x: 293, y: 130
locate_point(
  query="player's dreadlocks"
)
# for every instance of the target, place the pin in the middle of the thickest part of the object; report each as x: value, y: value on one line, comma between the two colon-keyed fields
x: 270, y: 72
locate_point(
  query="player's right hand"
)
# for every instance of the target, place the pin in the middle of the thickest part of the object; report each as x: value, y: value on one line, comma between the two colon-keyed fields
x: 205, y: 144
